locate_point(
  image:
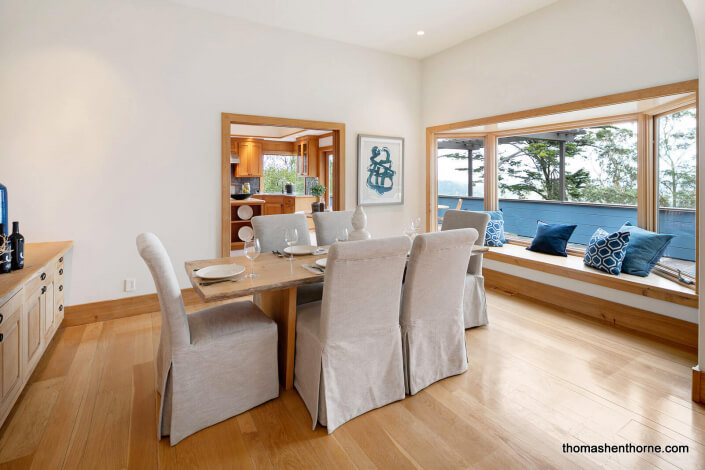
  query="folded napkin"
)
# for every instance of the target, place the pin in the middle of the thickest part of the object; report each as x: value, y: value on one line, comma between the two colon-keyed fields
x: 312, y: 268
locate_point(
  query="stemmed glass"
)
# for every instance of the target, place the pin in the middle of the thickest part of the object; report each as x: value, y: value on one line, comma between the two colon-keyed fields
x: 252, y: 251
x: 291, y: 236
x: 342, y: 235
x: 416, y: 223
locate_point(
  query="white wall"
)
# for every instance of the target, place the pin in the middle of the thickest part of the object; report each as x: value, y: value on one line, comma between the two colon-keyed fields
x: 110, y: 123
x: 571, y: 50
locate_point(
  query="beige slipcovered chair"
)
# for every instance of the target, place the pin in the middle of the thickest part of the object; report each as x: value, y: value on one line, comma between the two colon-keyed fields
x: 330, y: 224
x: 474, y: 301
x: 212, y: 364
x: 432, y: 326
x: 348, y: 346
x: 271, y: 230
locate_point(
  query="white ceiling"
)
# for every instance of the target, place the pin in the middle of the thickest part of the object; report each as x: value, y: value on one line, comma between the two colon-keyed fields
x: 282, y: 134
x: 385, y: 25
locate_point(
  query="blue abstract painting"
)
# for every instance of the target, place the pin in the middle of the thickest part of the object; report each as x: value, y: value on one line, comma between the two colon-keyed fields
x: 380, y: 170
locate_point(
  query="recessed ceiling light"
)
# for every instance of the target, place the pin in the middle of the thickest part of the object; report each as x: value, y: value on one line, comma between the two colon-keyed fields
x: 420, y: 32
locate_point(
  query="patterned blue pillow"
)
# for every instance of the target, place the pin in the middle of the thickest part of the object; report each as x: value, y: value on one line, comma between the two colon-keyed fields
x: 606, y: 251
x: 494, y: 233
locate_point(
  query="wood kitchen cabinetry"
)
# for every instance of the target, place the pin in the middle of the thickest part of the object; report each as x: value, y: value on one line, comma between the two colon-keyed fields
x: 250, y: 159
x: 277, y: 204
x: 31, y: 310
x: 307, y: 156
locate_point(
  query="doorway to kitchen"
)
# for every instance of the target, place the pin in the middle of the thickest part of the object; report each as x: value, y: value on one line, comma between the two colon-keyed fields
x: 271, y: 165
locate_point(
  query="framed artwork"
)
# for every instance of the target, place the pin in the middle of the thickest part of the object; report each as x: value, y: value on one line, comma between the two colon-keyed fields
x: 380, y: 170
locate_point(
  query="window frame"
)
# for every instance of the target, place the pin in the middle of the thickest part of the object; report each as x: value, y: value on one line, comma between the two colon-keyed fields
x: 647, y: 165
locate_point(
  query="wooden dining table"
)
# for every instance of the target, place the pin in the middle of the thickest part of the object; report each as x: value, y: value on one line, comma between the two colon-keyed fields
x: 273, y: 290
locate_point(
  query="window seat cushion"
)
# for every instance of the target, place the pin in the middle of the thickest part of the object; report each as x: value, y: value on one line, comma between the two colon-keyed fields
x: 572, y: 267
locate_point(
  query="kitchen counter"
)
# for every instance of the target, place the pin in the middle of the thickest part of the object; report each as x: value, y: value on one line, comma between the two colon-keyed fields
x: 243, y: 202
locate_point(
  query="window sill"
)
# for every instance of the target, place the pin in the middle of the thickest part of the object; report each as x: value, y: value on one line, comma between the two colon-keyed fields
x: 572, y: 267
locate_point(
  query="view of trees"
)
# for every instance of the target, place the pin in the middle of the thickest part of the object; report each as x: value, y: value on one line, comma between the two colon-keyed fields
x: 676, y: 157
x: 600, y: 164
x: 278, y: 169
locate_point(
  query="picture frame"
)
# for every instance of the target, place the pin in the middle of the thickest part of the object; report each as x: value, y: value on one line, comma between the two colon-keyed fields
x: 380, y: 170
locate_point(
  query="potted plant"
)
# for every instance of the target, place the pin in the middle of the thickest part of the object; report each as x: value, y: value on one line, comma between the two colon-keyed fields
x: 318, y: 190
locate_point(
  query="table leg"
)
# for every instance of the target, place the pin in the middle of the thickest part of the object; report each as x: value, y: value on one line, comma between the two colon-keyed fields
x: 280, y: 306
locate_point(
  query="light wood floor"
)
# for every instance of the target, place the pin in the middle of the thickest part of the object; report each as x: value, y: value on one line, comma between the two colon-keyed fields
x: 537, y: 379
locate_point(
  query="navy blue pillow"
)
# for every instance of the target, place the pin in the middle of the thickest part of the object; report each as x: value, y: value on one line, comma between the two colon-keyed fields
x: 551, y: 238
x: 644, y: 250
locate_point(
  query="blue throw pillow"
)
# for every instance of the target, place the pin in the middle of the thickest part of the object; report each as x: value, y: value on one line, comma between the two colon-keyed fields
x: 606, y: 251
x: 497, y: 215
x: 551, y: 238
x: 494, y: 233
x: 644, y: 251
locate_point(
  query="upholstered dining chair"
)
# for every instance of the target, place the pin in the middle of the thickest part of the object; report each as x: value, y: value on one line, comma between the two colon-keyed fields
x: 432, y: 325
x: 329, y: 225
x: 212, y: 364
x: 348, y: 346
x: 271, y: 229
x: 474, y: 300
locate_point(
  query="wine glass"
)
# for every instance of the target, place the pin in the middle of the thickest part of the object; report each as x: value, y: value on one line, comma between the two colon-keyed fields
x: 410, y: 231
x: 416, y: 223
x: 342, y: 235
x: 252, y: 251
x: 291, y: 236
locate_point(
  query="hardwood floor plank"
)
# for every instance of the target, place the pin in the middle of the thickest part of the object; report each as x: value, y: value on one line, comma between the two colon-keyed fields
x: 52, y: 448
x: 537, y: 378
x: 218, y: 447
x: 253, y: 442
x: 326, y: 446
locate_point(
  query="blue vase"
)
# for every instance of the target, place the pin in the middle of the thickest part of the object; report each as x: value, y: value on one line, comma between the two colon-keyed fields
x: 3, y: 207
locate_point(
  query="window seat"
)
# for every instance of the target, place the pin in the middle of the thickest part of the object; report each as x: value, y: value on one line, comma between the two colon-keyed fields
x: 572, y: 267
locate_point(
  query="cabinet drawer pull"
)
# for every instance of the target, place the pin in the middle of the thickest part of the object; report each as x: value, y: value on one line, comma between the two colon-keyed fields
x: 43, y: 276
x: 61, y: 271
x: 1, y: 337
x: 1, y: 317
x: 61, y: 287
x: 61, y: 260
x: 44, y: 289
x: 61, y: 308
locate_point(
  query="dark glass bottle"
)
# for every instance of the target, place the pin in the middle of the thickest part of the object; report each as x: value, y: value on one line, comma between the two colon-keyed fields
x: 5, y: 262
x: 17, y: 244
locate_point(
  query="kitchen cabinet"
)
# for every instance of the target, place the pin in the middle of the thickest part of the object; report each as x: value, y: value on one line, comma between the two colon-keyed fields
x: 250, y: 159
x: 307, y: 156
x: 31, y: 310
x: 274, y: 204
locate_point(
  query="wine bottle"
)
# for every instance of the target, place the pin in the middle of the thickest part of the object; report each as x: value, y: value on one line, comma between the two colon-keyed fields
x: 17, y: 246
x: 5, y: 250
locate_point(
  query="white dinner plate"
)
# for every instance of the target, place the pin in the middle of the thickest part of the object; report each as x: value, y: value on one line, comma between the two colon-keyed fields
x: 220, y: 271
x: 245, y: 233
x: 321, y: 262
x: 300, y: 250
x: 244, y: 212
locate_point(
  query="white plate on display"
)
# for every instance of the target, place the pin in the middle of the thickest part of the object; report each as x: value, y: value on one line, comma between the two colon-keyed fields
x: 245, y: 233
x: 220, y: 271
x: 244, y: 212
x: 321, y: 262
x: 300, y: 250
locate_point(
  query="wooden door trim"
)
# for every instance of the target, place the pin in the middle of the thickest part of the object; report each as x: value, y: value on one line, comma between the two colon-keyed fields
x: 336, y: 128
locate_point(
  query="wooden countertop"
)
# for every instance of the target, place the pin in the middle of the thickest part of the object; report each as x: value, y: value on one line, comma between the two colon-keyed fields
x: 36, y: 256
x: 249, y: 201
x: 286, y: 195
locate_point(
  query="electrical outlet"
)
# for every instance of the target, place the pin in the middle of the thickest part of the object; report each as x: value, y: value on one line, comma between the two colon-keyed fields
x: 130, y: 285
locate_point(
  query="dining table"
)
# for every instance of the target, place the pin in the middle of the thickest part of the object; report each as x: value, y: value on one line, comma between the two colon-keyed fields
x: 273, y: 290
